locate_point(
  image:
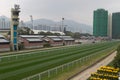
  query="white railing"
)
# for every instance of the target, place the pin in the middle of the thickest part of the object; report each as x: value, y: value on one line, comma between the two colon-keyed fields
x: 21, y: 56
x: 54, y: 71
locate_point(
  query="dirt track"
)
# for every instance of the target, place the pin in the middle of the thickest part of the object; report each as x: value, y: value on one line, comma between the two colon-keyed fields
x: 86, y: 74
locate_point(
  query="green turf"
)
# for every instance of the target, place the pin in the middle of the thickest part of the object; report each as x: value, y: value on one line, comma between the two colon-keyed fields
x: 17, y: 68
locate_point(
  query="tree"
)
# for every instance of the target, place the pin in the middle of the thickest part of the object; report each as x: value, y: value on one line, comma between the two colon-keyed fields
x: 48, y: 33
x: 77, y: 35
x: 69, y: 33
x: 25, y: 31
x: 42, y: 33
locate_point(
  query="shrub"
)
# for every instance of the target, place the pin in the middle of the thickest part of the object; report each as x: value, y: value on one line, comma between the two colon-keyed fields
x: 47, y: 45
x: 116, y: 62
x: 21, y: 46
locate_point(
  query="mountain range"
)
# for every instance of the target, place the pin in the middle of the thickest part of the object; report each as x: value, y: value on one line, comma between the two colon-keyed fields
x: 69, y: 24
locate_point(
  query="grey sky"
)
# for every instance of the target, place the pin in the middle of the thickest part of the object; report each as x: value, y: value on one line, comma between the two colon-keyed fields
x: 78, y: 10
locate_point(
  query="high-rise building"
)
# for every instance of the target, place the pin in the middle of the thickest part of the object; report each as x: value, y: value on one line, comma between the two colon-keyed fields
x: 4, y: 22
x: 100, y: 23
x: 110, y: 26
x: 116, y: 25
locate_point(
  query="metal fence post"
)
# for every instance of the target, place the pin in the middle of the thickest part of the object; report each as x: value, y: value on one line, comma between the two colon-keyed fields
x: 39, y: 76
x: 0, y: 59
x: 48, y: 73
x: 62, y: 67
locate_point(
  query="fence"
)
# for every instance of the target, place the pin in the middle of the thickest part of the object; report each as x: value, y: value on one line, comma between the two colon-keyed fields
x: 21, y: 55
x: 28, y: 54
x: 65, y: 67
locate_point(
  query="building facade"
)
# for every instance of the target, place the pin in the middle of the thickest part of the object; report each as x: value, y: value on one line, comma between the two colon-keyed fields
x: 54, y: 40
x: 116, y: 25
x: 67, y: 40
x: 31, y: 41
x: 100, y: 23
x: 4, y: 44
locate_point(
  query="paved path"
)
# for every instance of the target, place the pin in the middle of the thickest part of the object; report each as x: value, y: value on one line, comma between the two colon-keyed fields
x: 86, y: 74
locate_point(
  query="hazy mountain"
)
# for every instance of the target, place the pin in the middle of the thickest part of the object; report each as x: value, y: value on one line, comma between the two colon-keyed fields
x: 70, y: 25
x: 77, y: 27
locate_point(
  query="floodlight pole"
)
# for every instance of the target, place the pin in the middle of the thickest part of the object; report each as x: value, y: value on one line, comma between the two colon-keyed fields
x: 31, y: 17
x: 62, y: 29
x: 63, y: 25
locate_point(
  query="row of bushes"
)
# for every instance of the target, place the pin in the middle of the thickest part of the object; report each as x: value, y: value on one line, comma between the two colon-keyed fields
x: 105, y: 73
x: 116, y: 61
x: 22, y: 47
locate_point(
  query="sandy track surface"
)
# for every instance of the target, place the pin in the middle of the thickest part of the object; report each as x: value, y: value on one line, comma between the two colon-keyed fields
x: 86, y: 74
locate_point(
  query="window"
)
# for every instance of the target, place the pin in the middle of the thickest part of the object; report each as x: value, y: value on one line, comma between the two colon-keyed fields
x: 15, y: 34
x: 15, y: 27
x: 15, y: 40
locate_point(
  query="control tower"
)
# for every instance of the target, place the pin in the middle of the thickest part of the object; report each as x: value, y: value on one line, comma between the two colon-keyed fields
x: 14, y: 27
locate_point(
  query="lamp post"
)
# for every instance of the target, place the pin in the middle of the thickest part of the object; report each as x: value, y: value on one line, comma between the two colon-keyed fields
x: 63, y: 25
x: 63, y: 30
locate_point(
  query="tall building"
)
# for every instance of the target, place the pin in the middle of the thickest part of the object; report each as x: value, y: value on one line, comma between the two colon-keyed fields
x: 100, y: 23
x: 116, y: 25
x: 110, y: 26
x: 4, y: 22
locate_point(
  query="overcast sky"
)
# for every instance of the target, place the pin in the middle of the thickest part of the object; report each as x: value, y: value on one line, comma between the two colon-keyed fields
x: 78, y: 10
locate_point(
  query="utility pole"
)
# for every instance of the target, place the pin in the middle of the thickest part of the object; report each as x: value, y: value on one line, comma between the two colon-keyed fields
x: 63, y: 31
x: 62, y: 25
x: 31, y: 17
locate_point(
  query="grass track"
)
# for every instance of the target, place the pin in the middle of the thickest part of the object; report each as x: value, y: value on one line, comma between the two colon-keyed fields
x: 42, y: 60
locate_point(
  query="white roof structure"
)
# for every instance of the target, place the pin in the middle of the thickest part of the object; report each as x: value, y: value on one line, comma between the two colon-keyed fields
x: 31, y: 36
x: 66, y: 38
x: 3, y: 40
x: 34, y: 40
x: 37, y: 31
x: 55, y: 38
x: 1, y: 36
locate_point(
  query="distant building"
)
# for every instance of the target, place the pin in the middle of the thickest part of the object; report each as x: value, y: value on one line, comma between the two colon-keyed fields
x: 32, y: 41
x: 4, y: 44
x: 116, y: 25
x: 54, y: 40
x: 4, y: 23
x: 100, y: 23
x: 68, y: 40
x: 110, y: 26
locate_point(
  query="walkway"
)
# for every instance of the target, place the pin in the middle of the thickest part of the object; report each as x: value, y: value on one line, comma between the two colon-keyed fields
x: 86, y: 74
